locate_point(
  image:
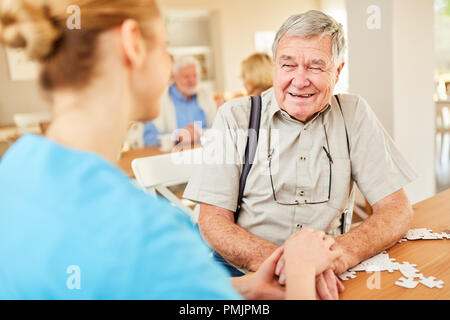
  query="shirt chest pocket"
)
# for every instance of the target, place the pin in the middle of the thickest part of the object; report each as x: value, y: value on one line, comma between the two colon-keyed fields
x: 325, y: 182
x: 309, y: 183
x: 314, y: 181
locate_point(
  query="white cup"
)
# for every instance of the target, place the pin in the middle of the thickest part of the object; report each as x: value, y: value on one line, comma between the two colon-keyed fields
x: 166, y: 142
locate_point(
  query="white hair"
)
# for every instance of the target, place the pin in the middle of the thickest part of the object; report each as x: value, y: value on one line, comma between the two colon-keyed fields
x: 312, y: 23
x: 185, y: 61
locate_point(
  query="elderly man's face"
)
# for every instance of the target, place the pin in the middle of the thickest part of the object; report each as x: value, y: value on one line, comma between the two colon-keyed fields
x: 186, y: 80
x: 305, y: 75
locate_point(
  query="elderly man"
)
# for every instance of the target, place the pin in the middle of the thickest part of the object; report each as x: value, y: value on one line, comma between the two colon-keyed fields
x: 186, y: 107
x: 312, y: 146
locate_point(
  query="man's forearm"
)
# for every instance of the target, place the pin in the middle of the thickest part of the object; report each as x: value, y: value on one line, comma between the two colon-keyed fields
x: 380, y: 231
x: 236, y: 245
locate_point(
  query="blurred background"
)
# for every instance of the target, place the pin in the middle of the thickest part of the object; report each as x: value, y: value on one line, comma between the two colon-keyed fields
x: 398, y: 60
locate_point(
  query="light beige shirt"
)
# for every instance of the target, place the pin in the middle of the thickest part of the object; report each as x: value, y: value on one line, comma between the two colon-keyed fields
x: 299, y: 166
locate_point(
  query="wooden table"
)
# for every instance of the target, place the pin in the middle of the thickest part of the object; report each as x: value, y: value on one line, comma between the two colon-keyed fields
x: 431, y: 256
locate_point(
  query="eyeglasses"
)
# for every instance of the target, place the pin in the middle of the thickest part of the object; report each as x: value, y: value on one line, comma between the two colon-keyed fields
x: 330, y: 162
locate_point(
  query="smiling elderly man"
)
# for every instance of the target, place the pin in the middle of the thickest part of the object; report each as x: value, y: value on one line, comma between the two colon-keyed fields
x: 304, y: 175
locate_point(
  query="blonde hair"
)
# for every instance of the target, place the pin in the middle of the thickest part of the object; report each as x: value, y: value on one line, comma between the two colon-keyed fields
x: 67, y: 57
x: 257, y: 72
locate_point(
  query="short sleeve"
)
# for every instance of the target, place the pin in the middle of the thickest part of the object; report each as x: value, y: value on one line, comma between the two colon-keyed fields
x: 216, y: 180
x: 378, y: 167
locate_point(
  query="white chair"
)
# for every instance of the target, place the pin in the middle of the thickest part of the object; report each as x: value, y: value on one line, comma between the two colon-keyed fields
x: 158, y: 172
x: 29, y: 122
x: 134, y: 138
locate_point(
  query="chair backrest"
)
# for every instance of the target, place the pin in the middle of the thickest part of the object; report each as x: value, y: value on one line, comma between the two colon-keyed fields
x: 24, y: 120
x: 158, y: 172
x: 134, y: 138
x: 166, y: 169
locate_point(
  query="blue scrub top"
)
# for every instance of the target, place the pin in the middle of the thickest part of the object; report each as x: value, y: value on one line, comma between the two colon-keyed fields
x: 73, y: 226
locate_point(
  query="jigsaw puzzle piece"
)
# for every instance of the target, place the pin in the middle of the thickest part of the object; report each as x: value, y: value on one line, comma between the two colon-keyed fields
x: 346, y: 275
x: 445, y: 235
x: 431, y: 282
x: 406, y: 283
x: 409, y: 270
x: 379, y: 262
x: 416, y: 234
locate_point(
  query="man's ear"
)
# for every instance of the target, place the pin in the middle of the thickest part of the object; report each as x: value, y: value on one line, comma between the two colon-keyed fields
x: 339, y: 69
x: 132, y: 43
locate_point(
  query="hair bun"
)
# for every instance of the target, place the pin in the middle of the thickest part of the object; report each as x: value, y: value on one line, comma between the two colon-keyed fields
x: 25, y: 24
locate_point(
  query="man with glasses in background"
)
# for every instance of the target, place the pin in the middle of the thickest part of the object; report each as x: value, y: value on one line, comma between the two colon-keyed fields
x: 312, y: 147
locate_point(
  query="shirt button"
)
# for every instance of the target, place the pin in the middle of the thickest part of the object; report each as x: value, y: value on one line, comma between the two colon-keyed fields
x: 298, y: 226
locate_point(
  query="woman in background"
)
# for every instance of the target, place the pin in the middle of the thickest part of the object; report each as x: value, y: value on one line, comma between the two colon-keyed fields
x: 72, y: 225
x: 257, y: 73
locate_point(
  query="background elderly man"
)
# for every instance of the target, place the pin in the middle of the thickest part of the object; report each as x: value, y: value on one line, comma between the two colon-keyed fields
x: 304, y: 175
x: 185, y: 105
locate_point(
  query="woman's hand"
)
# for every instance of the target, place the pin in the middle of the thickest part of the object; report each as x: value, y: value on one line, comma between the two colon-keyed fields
x: 308, y: 254
x: 312, y: 248
x: 262, y: 284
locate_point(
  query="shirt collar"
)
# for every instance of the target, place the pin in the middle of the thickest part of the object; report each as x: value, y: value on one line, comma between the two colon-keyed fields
x: 175, y: 93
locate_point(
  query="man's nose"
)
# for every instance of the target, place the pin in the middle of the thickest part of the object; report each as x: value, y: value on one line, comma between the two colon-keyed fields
x: 301, y: 79
x: 192, y: 79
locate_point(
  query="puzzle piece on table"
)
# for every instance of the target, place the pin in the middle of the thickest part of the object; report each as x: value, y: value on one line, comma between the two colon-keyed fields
x: 402, y: 240
x: 380, y: 262
x: 425, y: 234
x: 432, y: 236
x: 346, y: 275
x: 416, y: 234
x: 445, y: 235
x: 406, y: 283
x: 409, y: 270
x: 431, y: 282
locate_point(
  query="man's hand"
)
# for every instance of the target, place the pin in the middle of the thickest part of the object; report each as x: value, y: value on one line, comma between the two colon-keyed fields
x: 189, y: 134
x: 306, y: 249
x: 328, y: 286
x: 345, y: 261
x: 262, y: 284
x: 308, y: 257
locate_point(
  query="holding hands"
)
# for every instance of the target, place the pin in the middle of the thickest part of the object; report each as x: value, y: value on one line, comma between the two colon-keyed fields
x: 304, y: 264
x: 307, y: 253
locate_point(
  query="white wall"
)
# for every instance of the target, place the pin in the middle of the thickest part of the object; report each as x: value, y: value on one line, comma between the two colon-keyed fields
x: 235, y: 23
x: 414, y: 112
x: 370, y: 56
x: 17, y: 97
x: 392, y: 68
